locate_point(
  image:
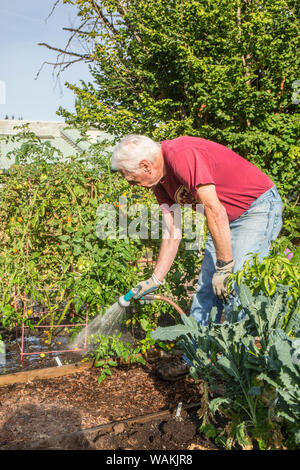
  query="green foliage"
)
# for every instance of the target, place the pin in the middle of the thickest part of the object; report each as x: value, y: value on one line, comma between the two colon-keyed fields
x: 50, y: 251
x: 261, y: 380
x: 31, y: 148
x: 107, y: 347
x: 281, y: 372
x: 223, y: 70
x: 274, y: 269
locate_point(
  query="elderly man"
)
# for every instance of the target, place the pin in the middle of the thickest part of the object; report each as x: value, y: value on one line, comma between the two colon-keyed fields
x: 241, y: 204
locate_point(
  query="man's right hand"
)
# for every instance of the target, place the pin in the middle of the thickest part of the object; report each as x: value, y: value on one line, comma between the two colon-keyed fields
x: 220, y: 279
x: 147, y: 287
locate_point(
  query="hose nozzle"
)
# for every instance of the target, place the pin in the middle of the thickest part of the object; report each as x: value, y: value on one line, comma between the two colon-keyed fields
x: 124, y: 300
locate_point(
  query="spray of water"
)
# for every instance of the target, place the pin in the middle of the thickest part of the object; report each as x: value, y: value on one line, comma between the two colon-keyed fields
x: 107, y: 324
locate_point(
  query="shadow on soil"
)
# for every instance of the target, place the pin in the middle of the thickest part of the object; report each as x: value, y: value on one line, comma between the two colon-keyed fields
x: 34, y: 427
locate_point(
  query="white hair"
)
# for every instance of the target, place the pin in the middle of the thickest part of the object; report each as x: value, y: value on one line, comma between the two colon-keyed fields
x: 131, y: 150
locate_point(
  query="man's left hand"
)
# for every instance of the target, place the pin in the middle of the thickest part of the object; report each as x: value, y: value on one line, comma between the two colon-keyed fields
x: 220, y: 279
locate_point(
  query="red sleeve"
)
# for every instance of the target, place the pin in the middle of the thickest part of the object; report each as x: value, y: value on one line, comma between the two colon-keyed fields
x: 195, y: 167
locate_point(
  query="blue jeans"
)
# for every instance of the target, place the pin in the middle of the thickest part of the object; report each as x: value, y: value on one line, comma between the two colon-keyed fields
x: 252, y: 232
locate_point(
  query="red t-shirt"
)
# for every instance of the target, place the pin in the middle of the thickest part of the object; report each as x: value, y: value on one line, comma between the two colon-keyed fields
x: 192, y: 161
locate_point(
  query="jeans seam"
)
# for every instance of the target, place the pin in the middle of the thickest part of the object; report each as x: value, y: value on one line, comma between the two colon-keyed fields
x: 271, y: 209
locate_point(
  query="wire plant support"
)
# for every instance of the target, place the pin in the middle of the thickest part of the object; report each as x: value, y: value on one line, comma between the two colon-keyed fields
x: 21, y: 344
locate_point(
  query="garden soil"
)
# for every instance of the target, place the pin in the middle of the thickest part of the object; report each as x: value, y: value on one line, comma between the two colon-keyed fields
x: 60, y: 413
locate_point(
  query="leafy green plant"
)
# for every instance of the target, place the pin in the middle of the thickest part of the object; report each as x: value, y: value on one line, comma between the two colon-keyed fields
x: 231, y: 353
x: 108, y: 348
x: 50, y: 252
x: 31, y: 148
x: 267, y: 273
x: 274, y: 269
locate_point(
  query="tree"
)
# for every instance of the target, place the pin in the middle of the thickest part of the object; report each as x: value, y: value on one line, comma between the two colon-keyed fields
x: 223, y: 70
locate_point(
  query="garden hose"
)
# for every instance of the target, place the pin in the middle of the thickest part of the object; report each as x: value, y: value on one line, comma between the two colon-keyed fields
x: 165, y: 299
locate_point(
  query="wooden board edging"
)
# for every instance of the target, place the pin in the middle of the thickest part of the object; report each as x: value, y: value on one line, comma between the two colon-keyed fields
x: 136, y: 420
x: 46, y: 373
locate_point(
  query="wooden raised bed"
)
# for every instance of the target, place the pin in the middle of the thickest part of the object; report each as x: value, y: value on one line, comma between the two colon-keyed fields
x: 46, y: 373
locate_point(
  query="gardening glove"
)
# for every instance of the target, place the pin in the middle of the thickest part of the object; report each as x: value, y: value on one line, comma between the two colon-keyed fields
x: 220, y: 278
x: 147, y: 287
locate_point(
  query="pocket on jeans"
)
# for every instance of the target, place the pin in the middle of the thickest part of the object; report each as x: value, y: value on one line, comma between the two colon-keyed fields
x: 263, y: 207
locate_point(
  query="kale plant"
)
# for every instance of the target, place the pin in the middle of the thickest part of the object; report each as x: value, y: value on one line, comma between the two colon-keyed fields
x: 254, y: 359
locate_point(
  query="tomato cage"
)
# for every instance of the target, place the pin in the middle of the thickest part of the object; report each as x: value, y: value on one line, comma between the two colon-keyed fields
x: 39, y: 313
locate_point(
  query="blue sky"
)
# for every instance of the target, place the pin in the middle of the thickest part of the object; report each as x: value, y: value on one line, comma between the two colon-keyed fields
x: 22, y: 26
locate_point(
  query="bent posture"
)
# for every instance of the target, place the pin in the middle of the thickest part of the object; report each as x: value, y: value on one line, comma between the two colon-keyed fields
x: 241, y: 204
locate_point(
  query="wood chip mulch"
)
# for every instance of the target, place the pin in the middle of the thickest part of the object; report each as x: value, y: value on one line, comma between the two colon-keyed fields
x: 42, y: 408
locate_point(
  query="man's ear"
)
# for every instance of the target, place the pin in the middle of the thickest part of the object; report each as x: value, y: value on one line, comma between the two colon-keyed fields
x: 146, y: 166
